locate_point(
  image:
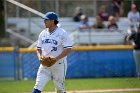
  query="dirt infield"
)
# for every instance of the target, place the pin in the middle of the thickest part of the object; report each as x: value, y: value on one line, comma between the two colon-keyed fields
x: 102, y: 90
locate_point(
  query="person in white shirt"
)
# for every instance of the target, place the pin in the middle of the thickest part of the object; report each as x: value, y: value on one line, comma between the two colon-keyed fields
x: 134, y: 16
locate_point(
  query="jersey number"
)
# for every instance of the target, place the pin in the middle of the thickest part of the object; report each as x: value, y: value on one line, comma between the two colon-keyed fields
x: 54, y: 49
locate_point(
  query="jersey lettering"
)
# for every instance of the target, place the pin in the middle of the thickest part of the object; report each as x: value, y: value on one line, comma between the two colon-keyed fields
x: 52, y: 41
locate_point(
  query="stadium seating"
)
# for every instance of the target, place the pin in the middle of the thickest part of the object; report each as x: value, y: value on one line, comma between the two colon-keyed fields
x: 35, y: 25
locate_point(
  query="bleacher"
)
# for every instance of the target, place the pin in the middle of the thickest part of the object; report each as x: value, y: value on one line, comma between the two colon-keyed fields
x: 35, y: 26
x: 67, y: 23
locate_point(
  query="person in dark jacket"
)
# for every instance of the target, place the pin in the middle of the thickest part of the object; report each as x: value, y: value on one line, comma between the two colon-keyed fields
x: 135, y: 40
x: 77, y: 14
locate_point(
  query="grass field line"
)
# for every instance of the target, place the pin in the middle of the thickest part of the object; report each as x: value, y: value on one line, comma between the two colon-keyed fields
x: 101, y: 90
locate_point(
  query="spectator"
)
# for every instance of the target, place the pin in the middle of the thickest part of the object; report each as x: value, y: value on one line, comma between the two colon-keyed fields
x: 99, y: 23
x: 134, y: 16
x: 135, y: 40
x: 83, y: 24
x: 78, y: 12
x: 112, y: 25
x: 103, y: 13
x: 117, y: 8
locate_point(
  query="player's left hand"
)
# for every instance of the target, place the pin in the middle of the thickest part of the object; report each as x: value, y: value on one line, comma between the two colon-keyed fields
x: 48, y: 61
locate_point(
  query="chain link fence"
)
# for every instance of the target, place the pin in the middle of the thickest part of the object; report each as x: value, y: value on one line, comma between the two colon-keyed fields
x: 83, y: 62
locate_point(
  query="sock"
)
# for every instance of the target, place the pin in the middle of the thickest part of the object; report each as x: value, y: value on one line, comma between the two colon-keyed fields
x: 36, y: 91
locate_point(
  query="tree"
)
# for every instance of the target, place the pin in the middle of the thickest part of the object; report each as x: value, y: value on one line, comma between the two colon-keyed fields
x: 2, y: 22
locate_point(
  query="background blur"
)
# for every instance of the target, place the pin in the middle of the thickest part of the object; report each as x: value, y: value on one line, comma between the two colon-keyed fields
x: 23, y: 21
x: 21, y: 24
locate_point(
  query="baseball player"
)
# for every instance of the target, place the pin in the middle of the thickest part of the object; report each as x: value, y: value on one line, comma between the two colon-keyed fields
x: 53, y: 43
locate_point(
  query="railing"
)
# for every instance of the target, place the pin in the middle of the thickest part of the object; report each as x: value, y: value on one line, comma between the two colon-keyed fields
x: 30, y: 10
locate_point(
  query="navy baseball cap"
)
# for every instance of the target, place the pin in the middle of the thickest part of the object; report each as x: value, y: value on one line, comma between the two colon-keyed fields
x: 51, y: 16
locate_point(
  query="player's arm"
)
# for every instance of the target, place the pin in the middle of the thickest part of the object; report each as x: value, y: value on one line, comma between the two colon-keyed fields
x: 39, y: 53
x: 64, y: 53
x: 39, y: 46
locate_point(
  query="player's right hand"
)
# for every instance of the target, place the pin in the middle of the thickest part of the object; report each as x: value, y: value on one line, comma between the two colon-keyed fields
x: 41, y: 58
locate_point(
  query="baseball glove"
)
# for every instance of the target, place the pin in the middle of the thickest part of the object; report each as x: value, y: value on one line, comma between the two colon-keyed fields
x: 48, y: 61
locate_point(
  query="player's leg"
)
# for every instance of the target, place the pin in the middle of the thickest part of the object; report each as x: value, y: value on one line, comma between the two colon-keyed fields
x: 59, y: 72
x: 43, y: 76
x: 137, y: 61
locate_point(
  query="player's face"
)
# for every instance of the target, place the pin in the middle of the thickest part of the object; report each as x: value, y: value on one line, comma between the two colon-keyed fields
x: 48, y: 23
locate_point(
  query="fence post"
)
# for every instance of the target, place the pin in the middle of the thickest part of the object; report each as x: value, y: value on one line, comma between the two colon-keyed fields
x: 17, y: 63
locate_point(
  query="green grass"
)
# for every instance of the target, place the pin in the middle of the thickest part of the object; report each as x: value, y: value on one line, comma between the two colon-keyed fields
x: 103, y: 83
x: 73, y: 84
x: 123, y: 92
